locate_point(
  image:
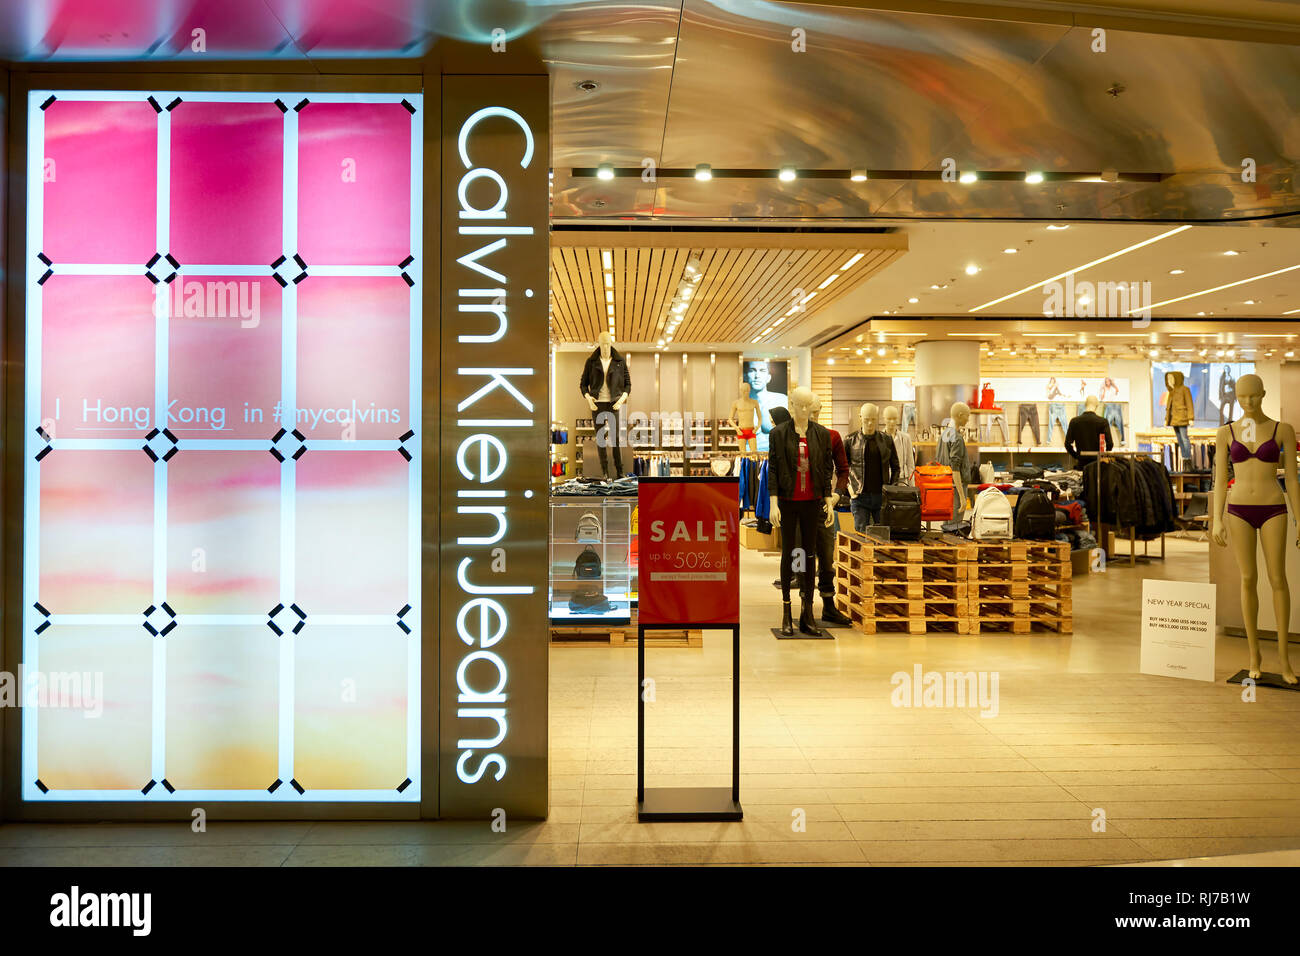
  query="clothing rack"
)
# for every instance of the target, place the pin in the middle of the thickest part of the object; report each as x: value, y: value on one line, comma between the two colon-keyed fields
x: 1132, y: 555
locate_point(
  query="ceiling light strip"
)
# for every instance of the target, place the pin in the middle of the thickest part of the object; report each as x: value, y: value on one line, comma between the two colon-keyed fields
x: 1217, y: 288
x: 1087, y: 265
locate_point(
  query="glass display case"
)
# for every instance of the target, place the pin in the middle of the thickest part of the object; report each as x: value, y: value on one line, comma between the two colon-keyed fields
x: 591, y: 560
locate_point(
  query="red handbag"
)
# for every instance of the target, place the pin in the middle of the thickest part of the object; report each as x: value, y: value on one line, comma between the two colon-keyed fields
x: 986, y: 396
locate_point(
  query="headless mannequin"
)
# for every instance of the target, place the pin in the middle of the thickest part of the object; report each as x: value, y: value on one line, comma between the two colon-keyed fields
x: 1082, y: 434
x: 826, y: 538
x: 952, y: 452
x: 746, y: 415
x: 799, y: 526
x: 1254, y: 509
x: 902, y: 444
x: 607, y: 417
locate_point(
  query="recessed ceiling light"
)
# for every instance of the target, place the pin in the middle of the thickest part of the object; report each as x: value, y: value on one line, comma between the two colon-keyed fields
x: 1009, y: 251
x: 968, y: 177
x: 787, y: 174
x: 604, y: 171
x: 972, y: 269
x: 934, y: 287
x: 1055, y: 228
x: 1249, y: 302
x: 858, y: 175
x: 703, y: 172
x: 1175, y: 272
x: 1231, y: 252
x: 1290, y: 353
x: 1200, y: 313
x: 852, y: 262
x: 914, y: 300
x: 829, y: 280
x: 1033, y: 177
x: 880, y: 351
x: 830, y: 361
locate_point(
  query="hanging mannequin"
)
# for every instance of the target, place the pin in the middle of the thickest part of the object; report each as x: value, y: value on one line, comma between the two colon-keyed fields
x: 746, y: 414
x: 902, y: 445
x: 873, y: 463
x: 803, y: 472
x: 606, y: 384
x: 952, y: 452
x: 1084, y: 432
x: 1254, y: 509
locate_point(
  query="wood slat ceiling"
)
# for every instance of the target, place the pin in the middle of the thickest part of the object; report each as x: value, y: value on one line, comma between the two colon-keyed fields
x: 750, y: 282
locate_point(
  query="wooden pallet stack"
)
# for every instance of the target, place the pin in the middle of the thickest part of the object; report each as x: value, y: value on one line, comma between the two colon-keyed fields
x: 907, y: 587
x: 622, y: 635
x: 1020, y: 587
x: 943, y: 584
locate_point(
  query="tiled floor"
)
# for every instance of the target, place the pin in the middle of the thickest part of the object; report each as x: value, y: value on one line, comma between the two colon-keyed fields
x: 834, y: 773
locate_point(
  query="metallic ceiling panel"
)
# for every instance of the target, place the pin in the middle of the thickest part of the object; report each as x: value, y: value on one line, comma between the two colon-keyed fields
x: 354, y: 28
x: 1050, y: 201
x: 879, y: 89
x: 628, y: 51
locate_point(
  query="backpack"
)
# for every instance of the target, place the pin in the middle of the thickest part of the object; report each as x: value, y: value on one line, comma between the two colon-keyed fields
x: 992, y: 517
x: 1035, y: 517
x: 588, y: 529
x: 900, y: 510
x: 587, y: 564
x: 934, y: 482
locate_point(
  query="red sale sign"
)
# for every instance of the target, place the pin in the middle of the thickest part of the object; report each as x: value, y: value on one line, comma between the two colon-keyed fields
x: 689, y: 551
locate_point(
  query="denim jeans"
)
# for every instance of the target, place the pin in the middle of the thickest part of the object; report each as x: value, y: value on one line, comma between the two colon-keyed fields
x: 1114, y: 416
x: 999, y: 422
x: 866, y: 510
x: 1184, y: 443
x: 1056, y: 413
x: 909, y: 415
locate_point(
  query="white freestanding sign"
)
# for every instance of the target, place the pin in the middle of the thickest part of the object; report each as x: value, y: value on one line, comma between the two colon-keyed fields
x: 1178, y: 629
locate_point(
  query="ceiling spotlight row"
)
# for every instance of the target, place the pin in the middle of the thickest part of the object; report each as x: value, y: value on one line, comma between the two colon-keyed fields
x: 681, y: 301
x: 704, y: 172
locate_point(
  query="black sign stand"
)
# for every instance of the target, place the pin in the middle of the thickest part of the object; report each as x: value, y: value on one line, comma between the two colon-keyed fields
x: 662, y: 804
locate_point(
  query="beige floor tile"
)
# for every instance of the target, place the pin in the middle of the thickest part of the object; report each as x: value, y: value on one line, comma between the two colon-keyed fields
x: 514, y: 854
x: 1097, y: 848
x: 696, y: 854
x: 152, y: 856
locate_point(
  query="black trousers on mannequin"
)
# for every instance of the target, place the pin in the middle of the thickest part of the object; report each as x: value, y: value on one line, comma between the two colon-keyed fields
x: 799, y: 523
x: 826, y: 538
x: 607, y: 418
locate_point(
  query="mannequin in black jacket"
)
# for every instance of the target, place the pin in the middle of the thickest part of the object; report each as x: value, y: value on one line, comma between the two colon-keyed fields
x: 606, y: 385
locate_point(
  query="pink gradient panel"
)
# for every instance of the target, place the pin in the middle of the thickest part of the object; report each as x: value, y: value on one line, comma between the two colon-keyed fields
x: 224, y: 357
x: 97, y: 356
x: 112, y: 751
x: 354, y: 183
x: 227, y: 177
x: 96, y: 539
x: 354, y: 347
x: 356, y: 744
x: 223, y: 692
x: 223, y: 532
x: 352, y: 522
x: 101, y: 183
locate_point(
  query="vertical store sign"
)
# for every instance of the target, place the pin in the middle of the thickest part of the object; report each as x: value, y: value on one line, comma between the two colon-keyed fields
x: 689, y: 551
x: 494, y: 643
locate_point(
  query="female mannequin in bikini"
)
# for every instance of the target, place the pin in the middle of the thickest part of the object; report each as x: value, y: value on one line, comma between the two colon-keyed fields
x: 1255, y: 508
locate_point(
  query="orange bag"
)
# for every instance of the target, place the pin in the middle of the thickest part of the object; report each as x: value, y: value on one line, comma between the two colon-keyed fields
x: 935, y: 485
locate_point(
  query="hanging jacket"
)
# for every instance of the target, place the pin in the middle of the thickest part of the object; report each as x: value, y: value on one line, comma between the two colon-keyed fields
x: 856, y: 451
x: 1179, y: 407
x: 593, y: 375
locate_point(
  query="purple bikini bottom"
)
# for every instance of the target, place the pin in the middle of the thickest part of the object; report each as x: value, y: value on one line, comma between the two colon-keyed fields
x: 1257, y: 515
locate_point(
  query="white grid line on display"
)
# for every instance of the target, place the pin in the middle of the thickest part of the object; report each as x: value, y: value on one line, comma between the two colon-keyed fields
x: 34, y: 443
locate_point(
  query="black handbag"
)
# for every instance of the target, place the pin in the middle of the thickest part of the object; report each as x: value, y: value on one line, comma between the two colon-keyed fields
x: 900, y: 510
x: 587, y: 564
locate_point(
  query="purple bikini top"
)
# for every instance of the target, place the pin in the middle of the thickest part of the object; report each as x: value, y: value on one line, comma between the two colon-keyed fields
x: 1239, y: 452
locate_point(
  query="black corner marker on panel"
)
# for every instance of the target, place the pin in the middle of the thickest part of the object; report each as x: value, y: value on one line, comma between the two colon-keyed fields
x: 41, y: 431
x: 272, y: 625
x: 299, y: 611
x: 154, y: 103
x: 302, y: 263
x: 299, y: 107
x: 409, y: 108
x: 40, y: 607
x: 297, y: 786
x: 275, y: 438
x: 406, y: 262
x: 45, y: 106
x: 168, y: 608
x: 151, y: 434
x: 167, y: 433
x: 167, y: 786
x: 149, y: 451
x: 44, y: 625
x: 48, y: 273
x: 405, y: 628
x: 152, y: 262
x: 275, y: 786
x: 277, y: 455
x: 299, y: 277
x: 149, y: 786
x: 172, y: 259
x: 298, y: 435
x: 276, y: 610
x: 409, y: 281
x: 40, y: 786
x: 404, y: 453
x: 44, y: 451
x: 44, y: 258
x: 280, y: 280
x: 407, y: 435
x: 171, y: 452
x: 151, y: 277
x: 173, y: 104
x: 403, y: 785
x: 280, y: 103
x: 167, y: 630
x: 278, y: 262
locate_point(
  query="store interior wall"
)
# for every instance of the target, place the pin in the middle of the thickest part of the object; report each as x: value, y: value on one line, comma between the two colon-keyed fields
x: 7, y: 495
